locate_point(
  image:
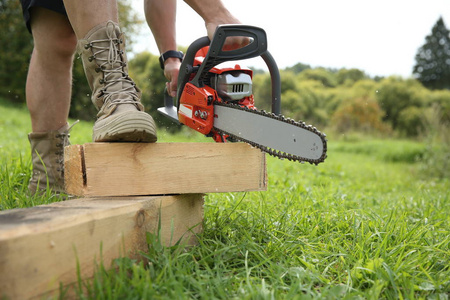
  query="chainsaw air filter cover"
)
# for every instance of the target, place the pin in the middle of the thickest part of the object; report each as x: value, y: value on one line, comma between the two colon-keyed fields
x: 231, y: 86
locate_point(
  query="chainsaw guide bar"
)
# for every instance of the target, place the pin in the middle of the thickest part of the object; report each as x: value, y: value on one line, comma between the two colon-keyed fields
x: 319, y: 149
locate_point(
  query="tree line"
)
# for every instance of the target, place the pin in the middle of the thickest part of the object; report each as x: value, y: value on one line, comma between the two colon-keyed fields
x: 348, y: 100
x: 344, y: 100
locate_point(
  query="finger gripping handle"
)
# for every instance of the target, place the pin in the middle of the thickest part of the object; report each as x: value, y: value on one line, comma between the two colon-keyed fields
x: 257, y: 42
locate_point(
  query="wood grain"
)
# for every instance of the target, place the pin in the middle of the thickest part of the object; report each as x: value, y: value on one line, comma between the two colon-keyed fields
x: 123, y: 169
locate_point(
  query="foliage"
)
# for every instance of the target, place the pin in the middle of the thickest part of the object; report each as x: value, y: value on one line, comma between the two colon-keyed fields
x: 328, y: 79
x: 441, y: 99
x: 262, y: 90
x: 360, y: 114
x: 432, y: 66
x: 130, y: 22
x: 17, y: 45
x: 410, y: 121
x: 348, y: 77
x: 146, y: 71
x: 364, y: 88
x: 395, y: 94
x: 401, y: 103
x: 16, y: 50
x: 437, y: 132
x: 298, y: 67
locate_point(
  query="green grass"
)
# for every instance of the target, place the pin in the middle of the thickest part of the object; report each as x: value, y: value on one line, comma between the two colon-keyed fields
x: 366, y: 224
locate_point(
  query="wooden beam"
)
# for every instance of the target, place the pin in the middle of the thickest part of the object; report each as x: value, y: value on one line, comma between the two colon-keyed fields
x: 40, y: 246
x: 123, y: 169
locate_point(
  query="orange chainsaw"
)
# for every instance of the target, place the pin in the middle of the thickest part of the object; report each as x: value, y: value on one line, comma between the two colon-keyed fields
x: 215, y: 98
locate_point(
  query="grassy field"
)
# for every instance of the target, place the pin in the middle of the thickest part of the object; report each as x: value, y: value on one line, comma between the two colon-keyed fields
x: 366, y: 224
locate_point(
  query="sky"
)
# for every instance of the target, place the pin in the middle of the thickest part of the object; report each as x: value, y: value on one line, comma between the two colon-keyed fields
x: 380, y: 37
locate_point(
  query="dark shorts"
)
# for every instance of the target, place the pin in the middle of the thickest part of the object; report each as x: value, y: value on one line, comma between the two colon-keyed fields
x: 54, y: 5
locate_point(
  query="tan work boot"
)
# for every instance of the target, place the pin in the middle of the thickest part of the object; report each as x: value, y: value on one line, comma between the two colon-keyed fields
x: 121, y: 116
x: 47, y: 154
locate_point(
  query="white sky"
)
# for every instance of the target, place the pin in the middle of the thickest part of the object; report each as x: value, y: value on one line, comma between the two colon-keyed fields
x: 380, y: 37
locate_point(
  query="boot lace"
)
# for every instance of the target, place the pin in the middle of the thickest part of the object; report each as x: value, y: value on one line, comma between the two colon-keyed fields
x: 111, y: 65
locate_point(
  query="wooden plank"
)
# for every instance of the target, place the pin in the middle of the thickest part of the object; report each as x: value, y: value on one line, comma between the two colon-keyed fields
x: 40, y: 246
x: 122, y: 169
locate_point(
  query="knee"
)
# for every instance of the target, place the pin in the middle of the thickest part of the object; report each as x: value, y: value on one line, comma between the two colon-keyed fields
x: 56, y: 45
x: 65, y: 45
x: 52, y: 34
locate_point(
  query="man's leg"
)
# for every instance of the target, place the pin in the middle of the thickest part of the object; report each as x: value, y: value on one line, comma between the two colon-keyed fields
x: 48, y: 91
x: 49, y: 80
x: 101, y: 44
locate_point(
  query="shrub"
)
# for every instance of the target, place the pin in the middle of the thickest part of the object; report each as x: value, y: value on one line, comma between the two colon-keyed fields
x: 435, y: 161
x: 359, y: 114
x: 314, y: 98
x: 262, y: 92
x: 442, y: 99
x: 364, y: 88
x: 410, y: 121
x: 292, y: 106
x: 395, y: 94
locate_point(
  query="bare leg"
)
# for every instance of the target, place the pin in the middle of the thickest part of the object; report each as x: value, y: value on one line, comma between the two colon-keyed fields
x: 86, y: 14
x: 48, y: 91
x: 49, y: 80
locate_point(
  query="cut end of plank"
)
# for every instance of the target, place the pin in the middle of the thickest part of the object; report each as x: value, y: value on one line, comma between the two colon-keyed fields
x: 74, y: 169
x: 131, y: 169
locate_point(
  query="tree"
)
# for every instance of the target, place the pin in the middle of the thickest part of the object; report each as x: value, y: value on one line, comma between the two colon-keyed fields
x: 16, y: 48
x: 350, y: 76
x: 326, y: 77
x: 17, y: 45
x: 299, y: 67
x: 433, y: 58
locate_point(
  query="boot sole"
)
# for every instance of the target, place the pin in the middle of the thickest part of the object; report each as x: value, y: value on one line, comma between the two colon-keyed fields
x: 126, y: 127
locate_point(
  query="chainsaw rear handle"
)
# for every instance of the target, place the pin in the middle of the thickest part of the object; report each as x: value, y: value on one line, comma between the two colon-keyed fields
x: 216, y: 55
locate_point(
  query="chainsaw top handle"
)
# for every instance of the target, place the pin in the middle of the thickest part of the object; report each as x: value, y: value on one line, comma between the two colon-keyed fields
x: 216, y: 53
x: 257, y: 46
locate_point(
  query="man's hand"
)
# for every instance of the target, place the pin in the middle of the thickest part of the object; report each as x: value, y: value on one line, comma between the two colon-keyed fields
x: 213, y: 13
x: 171, y: 70
x: 172, y: 65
